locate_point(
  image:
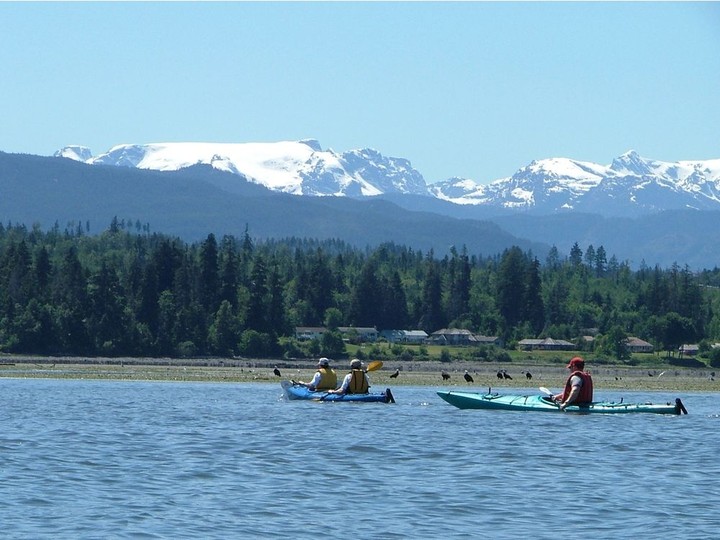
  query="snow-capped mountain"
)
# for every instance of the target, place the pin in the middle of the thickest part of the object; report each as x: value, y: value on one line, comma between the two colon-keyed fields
x: 77, y: 153
x: 630, y: 185
x: 295, y: 167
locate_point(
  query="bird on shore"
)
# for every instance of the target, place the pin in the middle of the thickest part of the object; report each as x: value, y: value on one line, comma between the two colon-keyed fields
x: 395, y: 375
x: 499, y: 375
x: 468, y: 377
x: 528, y: 375
x: 445, y: 375
x: 505, y: 375
x: 276, y: 371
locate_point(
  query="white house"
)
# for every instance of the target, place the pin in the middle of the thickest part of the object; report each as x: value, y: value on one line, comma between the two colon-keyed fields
x: 415, y: 337
x: 363, y: 333
x: 307, y: 333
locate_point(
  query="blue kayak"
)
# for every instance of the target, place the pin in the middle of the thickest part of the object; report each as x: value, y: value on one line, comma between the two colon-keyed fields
x: 476, y: 400
x: 294, y: 390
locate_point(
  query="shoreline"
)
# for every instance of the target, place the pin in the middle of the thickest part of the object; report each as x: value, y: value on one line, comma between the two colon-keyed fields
x: 485, y: 375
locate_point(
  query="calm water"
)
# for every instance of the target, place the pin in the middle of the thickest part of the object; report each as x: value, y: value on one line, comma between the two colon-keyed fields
x: 97, y: 459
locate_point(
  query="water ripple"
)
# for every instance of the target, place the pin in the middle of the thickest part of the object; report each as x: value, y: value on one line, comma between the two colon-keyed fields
x: 97, y: 459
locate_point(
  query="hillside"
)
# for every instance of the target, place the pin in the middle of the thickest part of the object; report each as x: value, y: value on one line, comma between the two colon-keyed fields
x: 193, y: 202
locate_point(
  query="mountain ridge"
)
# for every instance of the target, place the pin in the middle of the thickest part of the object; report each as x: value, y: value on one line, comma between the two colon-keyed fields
x: 630, y: 185
x: 197, y: 200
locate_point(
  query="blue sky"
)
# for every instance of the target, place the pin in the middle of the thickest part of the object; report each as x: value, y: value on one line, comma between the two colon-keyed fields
x: 467, y: 89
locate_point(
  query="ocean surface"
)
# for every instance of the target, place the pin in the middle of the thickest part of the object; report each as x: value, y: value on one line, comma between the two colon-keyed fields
x: 99, y: 459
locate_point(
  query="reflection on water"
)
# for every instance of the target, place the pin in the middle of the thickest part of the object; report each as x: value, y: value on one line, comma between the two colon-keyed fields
x: 97, y: 459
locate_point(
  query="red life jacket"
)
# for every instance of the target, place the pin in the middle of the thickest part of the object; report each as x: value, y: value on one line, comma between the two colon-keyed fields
x: 586, y: 390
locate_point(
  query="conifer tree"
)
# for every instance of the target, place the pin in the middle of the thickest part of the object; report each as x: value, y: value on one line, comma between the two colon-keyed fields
x: 432, y: 317
x: 209, y: 275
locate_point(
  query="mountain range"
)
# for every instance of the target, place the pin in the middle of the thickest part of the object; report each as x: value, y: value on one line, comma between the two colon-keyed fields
x: 195, y: 201
x: 296, y: 189
x: 631, y: 186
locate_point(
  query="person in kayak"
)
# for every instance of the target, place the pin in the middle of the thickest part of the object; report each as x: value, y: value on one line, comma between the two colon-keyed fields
x: 355, y: 382
x: 325, y: 377
x: 578, y: 387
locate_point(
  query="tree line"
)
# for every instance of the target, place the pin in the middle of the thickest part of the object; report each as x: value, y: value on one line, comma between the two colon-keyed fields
x: 127, y: 292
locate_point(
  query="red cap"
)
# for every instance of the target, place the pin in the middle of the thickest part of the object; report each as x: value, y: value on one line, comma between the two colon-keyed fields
x: 576, y: 362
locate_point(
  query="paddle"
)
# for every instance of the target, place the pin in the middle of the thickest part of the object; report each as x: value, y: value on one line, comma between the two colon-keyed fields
x: 374, y: 366
x: 549, y: 393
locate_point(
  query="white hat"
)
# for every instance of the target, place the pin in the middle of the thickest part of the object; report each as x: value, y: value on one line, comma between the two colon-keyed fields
x: 324, y: 362
x: 356, y: 364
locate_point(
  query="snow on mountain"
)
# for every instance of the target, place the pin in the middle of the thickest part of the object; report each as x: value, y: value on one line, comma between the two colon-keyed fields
x: 630, y: 185
x: 74, y: 152
x: 295, y: 167
x: 631, y: 164
x: 460, y: 191
x: 538, y: 182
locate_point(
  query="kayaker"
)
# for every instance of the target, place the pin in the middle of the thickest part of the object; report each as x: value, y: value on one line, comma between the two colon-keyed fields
x: 325, y: 377
x: 355, y: 382
x: 578, y: 387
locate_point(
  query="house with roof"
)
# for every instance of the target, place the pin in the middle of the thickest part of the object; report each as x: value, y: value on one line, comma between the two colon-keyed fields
x: 359, y: 334
x: 415, y: 337
x: 489, y: 340
x: 460, y: 336
x: 546, y: 344
x: 637, y: 345
x: 307, y: 333
x: 392, y: 336
x: 689, y: 349
x: 353, y: 333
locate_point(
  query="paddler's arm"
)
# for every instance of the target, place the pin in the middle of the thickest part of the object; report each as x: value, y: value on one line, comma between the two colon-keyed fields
x: 312, y: 385
x: 343, y: 387
x: 574, y: 391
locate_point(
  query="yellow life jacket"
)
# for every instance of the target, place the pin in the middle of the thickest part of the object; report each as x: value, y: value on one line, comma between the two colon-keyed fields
x: 328, y: 379
x: 358, y: 382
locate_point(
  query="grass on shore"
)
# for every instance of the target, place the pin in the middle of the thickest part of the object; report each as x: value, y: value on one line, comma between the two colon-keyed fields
x: 411, y: 373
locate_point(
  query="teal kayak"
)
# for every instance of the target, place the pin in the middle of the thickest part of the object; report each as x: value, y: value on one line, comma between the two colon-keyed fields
x: 476, y: 400
x: 294, y: 390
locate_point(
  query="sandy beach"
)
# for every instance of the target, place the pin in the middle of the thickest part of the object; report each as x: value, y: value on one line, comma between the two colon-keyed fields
x: 485, y: 375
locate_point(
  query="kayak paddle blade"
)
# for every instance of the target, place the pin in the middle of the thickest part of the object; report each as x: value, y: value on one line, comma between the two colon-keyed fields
x: 374, y: 366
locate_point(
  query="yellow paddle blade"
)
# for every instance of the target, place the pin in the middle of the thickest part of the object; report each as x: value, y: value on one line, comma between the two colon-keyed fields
x: 373, y: 366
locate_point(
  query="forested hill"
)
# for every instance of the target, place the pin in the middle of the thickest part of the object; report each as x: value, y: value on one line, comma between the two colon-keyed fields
x: 195, y: 201
x: 198, y: 200
x: 127, y: 292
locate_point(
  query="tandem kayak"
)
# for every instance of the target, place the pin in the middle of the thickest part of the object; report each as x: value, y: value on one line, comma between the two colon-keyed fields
x: 476, y: 400
x: 300, y: 391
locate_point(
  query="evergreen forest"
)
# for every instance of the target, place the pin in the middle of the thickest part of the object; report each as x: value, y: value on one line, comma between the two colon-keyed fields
x: 127, y: 292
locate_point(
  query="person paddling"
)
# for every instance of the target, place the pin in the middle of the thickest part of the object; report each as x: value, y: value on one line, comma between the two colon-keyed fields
x: 355, y: 382
x: 325, y: 377
x: 578, y: 387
